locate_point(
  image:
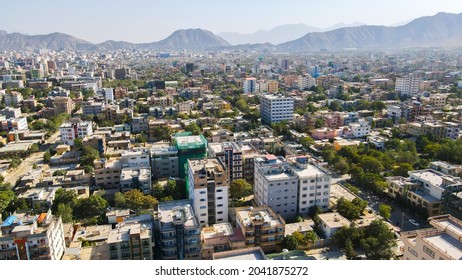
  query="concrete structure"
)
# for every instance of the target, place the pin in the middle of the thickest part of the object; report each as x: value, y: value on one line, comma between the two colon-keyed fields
x: 220, y: 237
x: 231, y: 156
x: 313, y: 185
x: 275, y: 108
x: 11, y: 112
x: 276, y: 185
x: 130, y: 241
x: 97, y: 142
x: 305, y: 82
x: 207, y: 185
x: 135, y: 178
x: 62, y: 105
x: 14, y: 124
x: 164, y: 161
x: 189, y: 146
x: 13, y: 98
x: 32, y: 237
x: 250, y: 85
x: 108, y: 94
x: 107, y: 173
x: 407, y: 85
x: 442, y: 242
x: 221, y: 135
x: 136, y: 158
x: 177, y: 231
x: 92, y: 107
x: 260, y: 227
x: 331, y: 222
x: 250, y: 254
x: 78, y: 130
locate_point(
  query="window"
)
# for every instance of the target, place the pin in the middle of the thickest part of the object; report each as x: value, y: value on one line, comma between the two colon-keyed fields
x: 203, y: 207
x: 305, y: 181
x: 304, y: 188
x: 219, y: 205
x: 326, y: 186
x: 203, y: 214
x: 429, y: 251
x: 219, y: 190
x: 412, y: 251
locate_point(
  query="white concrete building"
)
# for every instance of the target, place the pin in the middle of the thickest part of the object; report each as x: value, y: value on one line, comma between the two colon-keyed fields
x: 108, y: 94
x: 231, y: 156
x: 407, y: 85
x: 331, y: 222
x: 135, y: 159
x: 250, y: 85
x: 394, y: 112
x: 135, y: 178
x: 164, y: 161
x: 275, y: 185
x: 275, y: 108
x: 71, y: 131
x: 313, y: 185
x: 207, y: 183
x: 360, y: 128
x: 305, y: 81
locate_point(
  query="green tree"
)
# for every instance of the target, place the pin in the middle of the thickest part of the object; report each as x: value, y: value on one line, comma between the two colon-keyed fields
x: 354, y: 234
x: 34, y: 148
x: 78, y: 144
x: 310, y: 237
x: 379, y: 241
x: 46, y: 157
x: 119, y: 200
x: 341, y: 165
x: 66, y: 197
x: 91, y: 210
x: 193, y: 128
x: 385, y: 211
x: 239, y: 188
x: 65, y: 212
x: 300, y: 238
x: 89, y: 155
x: 402, y: 169
x: 335, y: 106
x: 371, y: 164
x: 6, y: 196
x: 137, y: 201
x: 289, y: 242
x: 349, y: 250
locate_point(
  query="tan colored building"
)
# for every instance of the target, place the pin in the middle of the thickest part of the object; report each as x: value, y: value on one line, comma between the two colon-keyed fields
x: 97, y: 142
x: 62, y: 105
x: 219, y: 238
x: 261, y: 227
x: 107, y: 173
x: 442, y: 242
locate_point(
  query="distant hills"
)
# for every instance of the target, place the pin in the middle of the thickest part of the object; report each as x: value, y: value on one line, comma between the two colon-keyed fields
x: 278, y: 34
x: 440, y: 30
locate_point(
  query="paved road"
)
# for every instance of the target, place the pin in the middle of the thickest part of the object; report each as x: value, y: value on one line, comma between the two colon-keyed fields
x: 27, y: 164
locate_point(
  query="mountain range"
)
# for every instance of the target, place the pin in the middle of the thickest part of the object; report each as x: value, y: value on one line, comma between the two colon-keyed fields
x: 278, y: 34
x: 440, y: 30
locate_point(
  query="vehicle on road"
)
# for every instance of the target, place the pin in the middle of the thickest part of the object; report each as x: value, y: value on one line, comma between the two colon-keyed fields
x: 413, y: 222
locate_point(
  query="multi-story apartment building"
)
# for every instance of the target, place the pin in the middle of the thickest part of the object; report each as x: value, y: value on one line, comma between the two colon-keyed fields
x: 13, y: 98
x: 192, y: 146
x: 276, y: 185
x: 32, y: 237
x: 220, y: 237
x: 290, y: 187
x: 138, y: 158
x: 313, y: 185
x: 140, y: 124
x: 77, y: 130
x: 221, y: 135
x: 177, y: 231
x: 407, y: 85
x: 135, y: 178
x: 92, y: 107
x: 425, y: 188
x: 231, y: 156
x: 248, y: 167
x: 260, y: 227
x: 360, y: 129
x: 107, y: 173
x: 130, y: 241
x: 11, y: 112
x: 164, y: 161
x: 14, y: 124
x: 250, y: 85
x: 276, y: 108
x: 62, y: 105
x: 305, y: 82
x: 97, y: 142
x: 442, y: 242
x: 207, y: 184
x: 108, y: 94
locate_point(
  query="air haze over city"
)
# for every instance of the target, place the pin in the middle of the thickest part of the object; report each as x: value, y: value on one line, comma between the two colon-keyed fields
x: 231, y: 130
x: 143, y: 21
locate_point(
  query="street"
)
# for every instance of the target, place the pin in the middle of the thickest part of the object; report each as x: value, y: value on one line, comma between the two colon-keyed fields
x: 27, y: 164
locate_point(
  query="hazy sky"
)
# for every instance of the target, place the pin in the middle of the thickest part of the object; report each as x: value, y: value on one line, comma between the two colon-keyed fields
x: 151, y: 20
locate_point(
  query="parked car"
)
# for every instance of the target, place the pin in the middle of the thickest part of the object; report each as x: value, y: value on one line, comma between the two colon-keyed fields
x: 413, y: 222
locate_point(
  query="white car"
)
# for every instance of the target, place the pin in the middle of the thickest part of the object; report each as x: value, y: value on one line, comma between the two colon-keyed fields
x: 413, y: 222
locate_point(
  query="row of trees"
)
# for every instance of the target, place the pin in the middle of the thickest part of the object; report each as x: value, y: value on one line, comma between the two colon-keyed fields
x: 376, y: 240
x: 298, y: 240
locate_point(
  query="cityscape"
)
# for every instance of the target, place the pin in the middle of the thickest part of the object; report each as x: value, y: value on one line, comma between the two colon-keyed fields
x: 339, y: 143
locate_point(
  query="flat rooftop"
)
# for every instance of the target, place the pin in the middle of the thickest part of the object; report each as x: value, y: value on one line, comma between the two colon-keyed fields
x: 309, y: 171
x: 263, y: 213
x: 206, y: 164
x: 125, y: 230
x: 168, y: 211
x: 447, y: 244
x: 334, y: 220
x: 250, y: 254
x: 218, y: 230
x: 428, y: 175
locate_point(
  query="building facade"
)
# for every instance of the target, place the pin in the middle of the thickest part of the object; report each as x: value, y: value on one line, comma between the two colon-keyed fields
x: 276, y: 108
